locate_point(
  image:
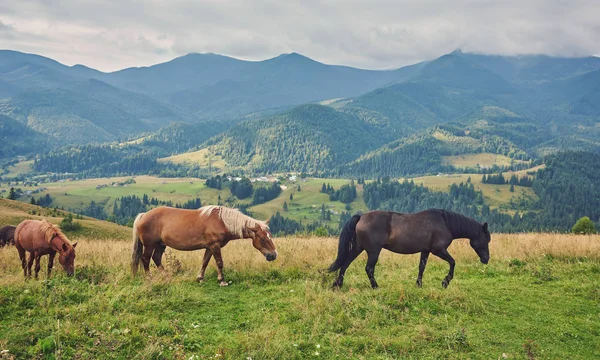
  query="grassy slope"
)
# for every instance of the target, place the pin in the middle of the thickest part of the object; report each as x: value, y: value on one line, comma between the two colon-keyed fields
x: 201, y: 157
x: 286, y: 309
x: 13, y: 212
x: 22, y: 167
x: 306, y: 205
x: 79, y: 194
x: 472, y: 160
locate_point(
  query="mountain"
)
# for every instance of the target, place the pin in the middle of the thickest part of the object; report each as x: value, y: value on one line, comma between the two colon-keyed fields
x: 212, y: 85
x: 263, y: 115
x: 306, y: 138
x: 422, y: 153
x: 18, y: 139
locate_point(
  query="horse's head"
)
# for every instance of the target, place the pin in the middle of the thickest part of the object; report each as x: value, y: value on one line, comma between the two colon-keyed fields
x: 481, y: 242
x: 262, y: 240
x: 66, y: 257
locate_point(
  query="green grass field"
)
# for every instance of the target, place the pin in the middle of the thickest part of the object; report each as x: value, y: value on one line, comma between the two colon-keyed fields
x: 472, y: 160
x: 306, y: 203
x: 539, y: 298
x: 305, y: 206
x: 22, y: 167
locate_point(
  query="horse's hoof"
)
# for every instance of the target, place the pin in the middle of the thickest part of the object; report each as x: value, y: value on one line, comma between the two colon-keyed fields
x: 419, y: 283
x: 223, y: 283
x: 200, y: 279
x: 336, y: 286
x: 445, y: 284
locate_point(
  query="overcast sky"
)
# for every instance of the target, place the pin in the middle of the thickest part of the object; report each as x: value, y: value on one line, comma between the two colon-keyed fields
x: 113, y: 34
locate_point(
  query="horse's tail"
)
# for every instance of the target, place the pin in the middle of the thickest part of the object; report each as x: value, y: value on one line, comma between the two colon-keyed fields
x: 347, y: 243
x: 138, y: 247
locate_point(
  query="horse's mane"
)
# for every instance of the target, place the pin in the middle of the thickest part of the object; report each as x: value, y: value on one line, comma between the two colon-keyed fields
x: 461, y: 226
x: 48, y: 230
x: 234, y: 220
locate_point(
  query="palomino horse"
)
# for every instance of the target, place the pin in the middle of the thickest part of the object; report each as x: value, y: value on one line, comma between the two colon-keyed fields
x: 7, y: 235
x: 210, y: 228
x: 429, y: 231
x: 42, y: 238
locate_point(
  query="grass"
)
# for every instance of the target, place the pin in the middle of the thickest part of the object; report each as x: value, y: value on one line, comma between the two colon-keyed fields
x: 13, y: 212
x: 495, y: 195
x: 472, y: 160
x: 306, y: 205
x: 22, y: 167
x: 539, y: 296
x: 78, y: 195
x: 200, y: 157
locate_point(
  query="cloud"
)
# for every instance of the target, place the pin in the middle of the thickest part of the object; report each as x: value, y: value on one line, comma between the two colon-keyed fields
x: 376, y: 34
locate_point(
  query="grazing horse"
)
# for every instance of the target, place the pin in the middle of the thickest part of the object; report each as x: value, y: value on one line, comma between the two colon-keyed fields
x: 7, y: 235
x: 42, y: 238
x: 210, y: 228
x: 429, y: 231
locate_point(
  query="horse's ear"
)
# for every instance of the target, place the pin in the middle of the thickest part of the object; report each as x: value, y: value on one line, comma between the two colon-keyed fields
x: 485, y: 227
x: 75, y: 244
x: 267, y: 222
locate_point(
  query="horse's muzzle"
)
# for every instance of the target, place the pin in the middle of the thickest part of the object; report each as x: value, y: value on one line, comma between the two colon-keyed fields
x: 484, y: 260
x: 271, y: 257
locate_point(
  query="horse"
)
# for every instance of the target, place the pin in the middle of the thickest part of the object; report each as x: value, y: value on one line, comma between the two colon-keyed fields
x: 209, y: 227
x: 7, y: 235
x: 43, y: 238
x: 429, y: 231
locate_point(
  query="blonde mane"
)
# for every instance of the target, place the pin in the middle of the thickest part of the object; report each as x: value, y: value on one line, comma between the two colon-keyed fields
x: 234, y: 220
x: 48, y: 230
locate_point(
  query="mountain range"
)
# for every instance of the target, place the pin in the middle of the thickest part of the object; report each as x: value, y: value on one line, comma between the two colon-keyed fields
x: 291, y: 113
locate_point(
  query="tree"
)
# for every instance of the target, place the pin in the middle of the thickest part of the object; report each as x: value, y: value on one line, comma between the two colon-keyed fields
x: 291, y: 197
x: 584, y: 226
x: 12, y: 195
x: 285, y: 206
x: 299, y: 188
x: 32, y: 202
x: 512, y: 188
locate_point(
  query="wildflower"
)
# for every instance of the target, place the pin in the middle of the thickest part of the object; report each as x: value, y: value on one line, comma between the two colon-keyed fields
x: 316, y: 353
x: 318, y: 346
x: 295, y: 345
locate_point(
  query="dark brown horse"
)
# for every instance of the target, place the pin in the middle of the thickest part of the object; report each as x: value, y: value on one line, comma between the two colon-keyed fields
x: 7, y: 235
x: 429, y: 231
x: 42, y: 238
x: 210, y: 228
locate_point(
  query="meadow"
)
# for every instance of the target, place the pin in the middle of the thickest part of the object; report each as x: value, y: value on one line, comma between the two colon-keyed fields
x: 538, y: 298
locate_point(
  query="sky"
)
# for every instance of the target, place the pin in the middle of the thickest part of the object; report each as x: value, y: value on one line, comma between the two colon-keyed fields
x: 110, y: 35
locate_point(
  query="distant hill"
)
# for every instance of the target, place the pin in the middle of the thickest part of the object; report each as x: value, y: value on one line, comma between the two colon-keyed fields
x: 306, y: 138
x: 262, y: 115
x: 17, y: 139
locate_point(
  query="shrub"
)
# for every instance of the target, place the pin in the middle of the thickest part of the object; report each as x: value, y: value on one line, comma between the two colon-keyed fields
x: 584, y: 226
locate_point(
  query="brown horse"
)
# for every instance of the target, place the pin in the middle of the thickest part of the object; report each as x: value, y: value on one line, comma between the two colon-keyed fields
x: 210, y: 228
x: 429, y: 231
x: 7, y: 235
x: 42, y: 238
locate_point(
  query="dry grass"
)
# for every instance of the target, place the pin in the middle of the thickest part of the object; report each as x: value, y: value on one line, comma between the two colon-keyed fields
x: 310, y: 254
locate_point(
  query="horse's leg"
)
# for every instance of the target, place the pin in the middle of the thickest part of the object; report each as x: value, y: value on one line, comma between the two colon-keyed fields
x: 23, y: 257
x: 37, y: 265
x: 157, y: 255
x: 370, y: 268
x: 205, y: 261
x: 443, y: 254
x: 146, y: 256
x: 30, y: 263
x: 50, y: 262
x: 216, y: 251
x: 422, y: 264
x: 351, y: 257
